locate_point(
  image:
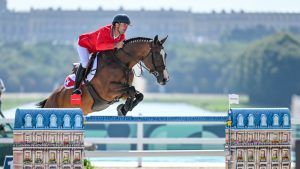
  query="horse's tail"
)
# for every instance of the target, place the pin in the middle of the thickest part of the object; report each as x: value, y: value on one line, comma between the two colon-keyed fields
x: 42, y: 103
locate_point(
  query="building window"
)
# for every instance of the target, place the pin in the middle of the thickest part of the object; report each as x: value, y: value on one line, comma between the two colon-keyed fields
x: 27, y: 157
x: 78, y: 121
x: 52, y: 157
x: 66, y: 157
x: 240, y: 155
x: 52, y: 138
x: 262, y: 155
x: 274, y: 138
x: 285, y: 138
x: 250, y: 155
x: 274, y: 155
x: 285, y: 155
x: 77, y: 158
x: 263, y: 121
x: 77, y: 139
x: 240, y: 120
x: 28, y: 120
x: 286, y: 120
x: 27, y: 138
x: 53, y: 121
x: 251, y: 120
x: 275, y: 120
x: 39, y: 121
x: 67, y: 121
x: 66, y: 139
x: 263, y: 137
x: 240, y: 138
x: 39, y: 138
x: 38, y: 157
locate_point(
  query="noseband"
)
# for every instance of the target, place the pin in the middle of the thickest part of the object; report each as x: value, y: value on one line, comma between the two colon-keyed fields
x: 154, y: 72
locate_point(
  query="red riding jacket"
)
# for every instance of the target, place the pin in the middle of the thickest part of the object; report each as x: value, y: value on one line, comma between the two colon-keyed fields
x: 99, y: 40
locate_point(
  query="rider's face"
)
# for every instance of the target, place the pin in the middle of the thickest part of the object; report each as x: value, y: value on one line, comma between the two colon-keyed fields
x: 122, y: 27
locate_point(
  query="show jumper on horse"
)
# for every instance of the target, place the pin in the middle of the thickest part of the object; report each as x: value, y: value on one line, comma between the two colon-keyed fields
x: 112, y: 57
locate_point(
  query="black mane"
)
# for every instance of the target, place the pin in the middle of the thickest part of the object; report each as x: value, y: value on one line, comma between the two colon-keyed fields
x: 137, y: 39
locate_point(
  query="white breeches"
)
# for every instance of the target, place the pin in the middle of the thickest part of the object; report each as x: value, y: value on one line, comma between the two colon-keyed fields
x: 83, y: 55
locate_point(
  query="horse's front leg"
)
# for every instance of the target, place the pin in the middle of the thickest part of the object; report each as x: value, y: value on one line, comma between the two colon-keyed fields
x: 138, y: 97
x: 134, y: 98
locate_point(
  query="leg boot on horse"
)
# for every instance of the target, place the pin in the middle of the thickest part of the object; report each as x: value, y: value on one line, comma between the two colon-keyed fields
x: 130, y: 103
x: 76, y: 95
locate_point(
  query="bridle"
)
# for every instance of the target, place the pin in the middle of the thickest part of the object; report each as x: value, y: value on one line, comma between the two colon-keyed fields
x: 150, y: 53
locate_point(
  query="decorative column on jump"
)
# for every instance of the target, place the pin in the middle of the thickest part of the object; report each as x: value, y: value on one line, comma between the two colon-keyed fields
x: 48, y: 138
x: 258, y: 138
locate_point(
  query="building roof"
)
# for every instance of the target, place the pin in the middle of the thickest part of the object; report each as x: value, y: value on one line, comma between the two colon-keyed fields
x: 260, y: 118
x: 45, y: 119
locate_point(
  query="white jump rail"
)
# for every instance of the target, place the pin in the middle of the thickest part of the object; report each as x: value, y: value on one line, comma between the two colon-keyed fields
x: 140, y: 140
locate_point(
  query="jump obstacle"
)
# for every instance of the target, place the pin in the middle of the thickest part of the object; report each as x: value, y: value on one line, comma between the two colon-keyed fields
x: 242, y: 117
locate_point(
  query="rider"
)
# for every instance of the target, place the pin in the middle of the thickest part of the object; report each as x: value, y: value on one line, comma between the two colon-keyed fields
x: 105, y: 38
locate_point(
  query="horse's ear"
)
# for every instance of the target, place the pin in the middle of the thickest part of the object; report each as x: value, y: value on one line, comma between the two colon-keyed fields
x: 163, y: 40
x: 155, y: 39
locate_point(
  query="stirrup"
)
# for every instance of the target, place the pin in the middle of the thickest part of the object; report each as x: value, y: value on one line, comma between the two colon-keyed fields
x: 77, y: 91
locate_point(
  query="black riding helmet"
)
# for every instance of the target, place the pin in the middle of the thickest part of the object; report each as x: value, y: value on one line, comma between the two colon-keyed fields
x: 121, y: 18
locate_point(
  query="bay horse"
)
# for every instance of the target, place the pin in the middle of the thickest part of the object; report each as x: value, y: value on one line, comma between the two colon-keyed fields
x: 114, y: 77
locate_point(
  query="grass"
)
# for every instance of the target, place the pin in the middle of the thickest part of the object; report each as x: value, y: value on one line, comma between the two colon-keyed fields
x: 211, y: 102
x: 12, y: 100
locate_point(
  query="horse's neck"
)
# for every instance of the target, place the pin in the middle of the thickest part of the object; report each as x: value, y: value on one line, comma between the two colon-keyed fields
x: 134, y: 52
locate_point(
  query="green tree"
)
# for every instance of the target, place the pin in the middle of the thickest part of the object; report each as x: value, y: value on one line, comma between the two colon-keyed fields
x: 269, y: 70
x: 30, y: 67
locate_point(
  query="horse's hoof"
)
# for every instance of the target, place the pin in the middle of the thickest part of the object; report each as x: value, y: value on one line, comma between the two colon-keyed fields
x: 120, y: 110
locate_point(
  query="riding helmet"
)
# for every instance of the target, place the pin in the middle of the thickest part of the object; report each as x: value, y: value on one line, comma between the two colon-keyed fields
x: 121, y: 18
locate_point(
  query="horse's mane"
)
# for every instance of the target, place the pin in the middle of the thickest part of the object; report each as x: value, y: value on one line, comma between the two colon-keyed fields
x: 137, y: 39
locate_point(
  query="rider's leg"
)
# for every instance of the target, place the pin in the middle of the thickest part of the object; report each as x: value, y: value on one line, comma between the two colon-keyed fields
x: 78, y: 79
x: 84, y: 58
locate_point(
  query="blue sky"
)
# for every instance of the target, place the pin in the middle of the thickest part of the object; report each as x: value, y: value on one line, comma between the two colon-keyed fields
x: 193, y: 5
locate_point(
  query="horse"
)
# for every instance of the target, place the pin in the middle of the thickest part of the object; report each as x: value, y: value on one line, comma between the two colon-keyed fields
x: 114, y: 76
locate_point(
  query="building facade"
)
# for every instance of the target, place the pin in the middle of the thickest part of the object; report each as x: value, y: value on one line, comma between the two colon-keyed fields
x: 48, y: 139
x: 258, y: 139
x: 65, y: 26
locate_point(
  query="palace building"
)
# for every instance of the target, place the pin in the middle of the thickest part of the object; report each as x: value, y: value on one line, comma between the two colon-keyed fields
x: 64, y: 26
x: 48, y: 139
x: 258, y: 139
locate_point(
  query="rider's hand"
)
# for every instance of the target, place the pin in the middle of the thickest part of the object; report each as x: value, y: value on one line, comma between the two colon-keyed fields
x: 119, y: 45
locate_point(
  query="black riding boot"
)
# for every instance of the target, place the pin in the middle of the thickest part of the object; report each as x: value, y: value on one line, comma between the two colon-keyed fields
x: 78, y: 79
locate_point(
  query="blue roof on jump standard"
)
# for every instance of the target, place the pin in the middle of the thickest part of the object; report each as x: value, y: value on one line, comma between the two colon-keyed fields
x: 260, y: 118
x: 45, y: 119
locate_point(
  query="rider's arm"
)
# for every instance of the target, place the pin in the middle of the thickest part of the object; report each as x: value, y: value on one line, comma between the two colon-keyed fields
x: 105, y: 41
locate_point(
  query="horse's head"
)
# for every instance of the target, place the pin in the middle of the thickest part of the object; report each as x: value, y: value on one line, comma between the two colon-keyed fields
x: 156, y: 61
